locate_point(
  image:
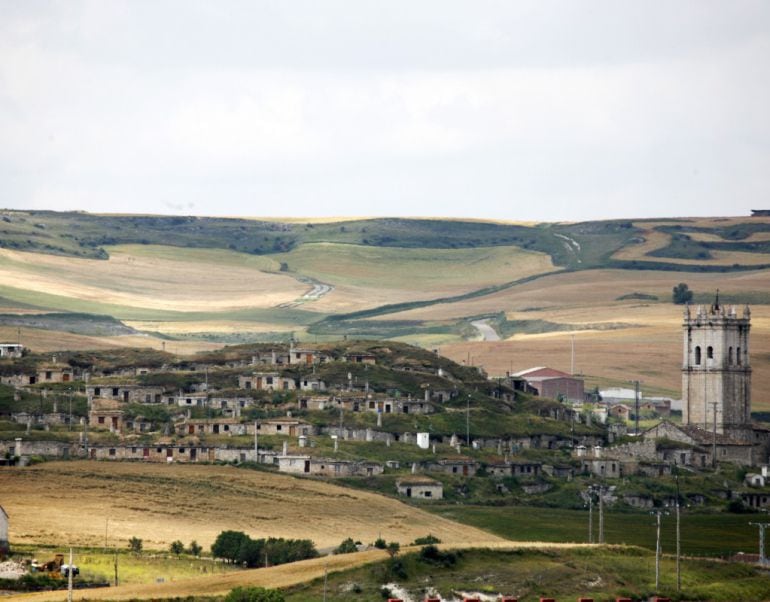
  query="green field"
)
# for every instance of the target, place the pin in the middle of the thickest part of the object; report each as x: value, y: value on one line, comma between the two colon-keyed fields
x: 600, y: 573
x: 415, y: 269
x: 715, y: 535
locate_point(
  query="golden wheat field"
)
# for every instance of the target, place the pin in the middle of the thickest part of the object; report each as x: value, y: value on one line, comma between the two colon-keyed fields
x: 40, y: 340
x: 159, y: 278
x: 72, y: 503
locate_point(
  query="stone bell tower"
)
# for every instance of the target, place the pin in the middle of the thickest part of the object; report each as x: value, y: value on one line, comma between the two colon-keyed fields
x: 716, y: 373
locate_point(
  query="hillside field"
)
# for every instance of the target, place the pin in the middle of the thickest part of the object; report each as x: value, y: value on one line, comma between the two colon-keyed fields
x: 71, y: 503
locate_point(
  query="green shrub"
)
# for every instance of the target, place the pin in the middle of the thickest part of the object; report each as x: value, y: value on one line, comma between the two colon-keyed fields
x: 346, y: 547
x: 254, y: 594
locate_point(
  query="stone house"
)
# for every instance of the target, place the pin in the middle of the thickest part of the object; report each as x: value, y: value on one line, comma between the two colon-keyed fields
x: 620, y: 411
x: 513, y: 469
x: 420, y: 487
x: 213, y: 426
x: 52, y: 418
x: 458, y: 465
x: 312, y: 384
x: 292, y: 427
x: 399, y: 406
x: 349, y: 403
x: 266, y: 381
x: 106, y: 414
x: 559, y: 471
x: 188, y: 400
x: 299, y: 357
x: 728, y: 449
x: 326, y: 467
x: 53, y: 373
x: 11, y: 350
x: 602, y: 467
x: 361, y: 358
x: 171, y: 453
x: 126, y: 393
x: 756, y: 499
x: 230, y: 405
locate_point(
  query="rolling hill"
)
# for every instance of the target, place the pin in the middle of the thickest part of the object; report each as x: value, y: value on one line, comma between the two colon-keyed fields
x: 192, y: 283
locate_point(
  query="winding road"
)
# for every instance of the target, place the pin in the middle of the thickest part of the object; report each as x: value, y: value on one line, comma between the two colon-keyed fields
x: 487, y: 332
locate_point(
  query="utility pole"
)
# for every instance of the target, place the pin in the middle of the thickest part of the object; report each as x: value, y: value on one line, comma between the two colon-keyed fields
x: 468, y: 420
x: 657, y: 550
x: 678, y: 539
x: 636, y: 407
x: 762, y: 527
x: 116, y: 567
x: 572, y: 356
x: 658, y: 514
x: 590, y: 516
x: 601, y: 514
x: 256, y: 442
x: 69, y: 579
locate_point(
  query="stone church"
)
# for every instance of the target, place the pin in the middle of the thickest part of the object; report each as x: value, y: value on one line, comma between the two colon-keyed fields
x: 716, y: 388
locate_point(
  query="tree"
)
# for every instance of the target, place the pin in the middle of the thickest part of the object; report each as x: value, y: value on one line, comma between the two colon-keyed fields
x: 393, y: 549
x: 681, y: 294
x: 194, y: 548
x: 228, y: 545
x: 346, y: 547
x: 254, y: 594
x: 176, y: 547
x: 380, y: 544
x: 135, y: 545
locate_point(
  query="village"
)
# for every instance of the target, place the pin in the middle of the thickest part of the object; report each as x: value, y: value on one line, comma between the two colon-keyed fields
x: 406, y: 421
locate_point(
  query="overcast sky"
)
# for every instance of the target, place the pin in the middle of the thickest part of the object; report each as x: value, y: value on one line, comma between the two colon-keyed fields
x: 512, y: 110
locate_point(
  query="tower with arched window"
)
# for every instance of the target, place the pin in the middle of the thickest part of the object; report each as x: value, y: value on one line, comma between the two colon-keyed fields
x: 716, y: 373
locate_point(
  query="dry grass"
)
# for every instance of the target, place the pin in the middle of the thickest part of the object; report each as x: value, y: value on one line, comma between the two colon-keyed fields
x: 68, y: 503
x: 152, y: 277
x: 274, y: 577
x: 53, y: 340
x: 219, y: 326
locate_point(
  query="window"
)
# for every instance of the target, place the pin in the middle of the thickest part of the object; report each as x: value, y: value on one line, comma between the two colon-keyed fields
x: 277, y: 427
x: 697, y: 355
x: 48, y: 375
x: 730, y: 356
x: 710, y: 353
x: 97, y: 391
x: 101, y: 419
x: 738, y: 356
x: 112, y: 451
x: 428, y: 494
x: 115, y: 391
